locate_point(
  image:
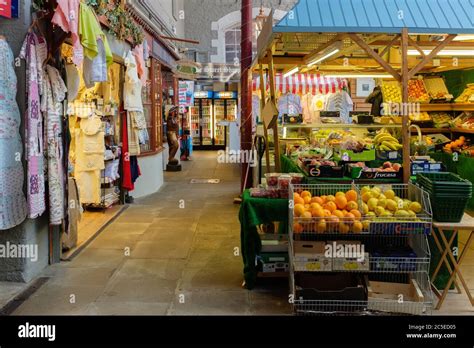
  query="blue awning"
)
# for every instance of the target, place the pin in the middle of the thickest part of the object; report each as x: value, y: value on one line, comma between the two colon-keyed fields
x: 380, y: 16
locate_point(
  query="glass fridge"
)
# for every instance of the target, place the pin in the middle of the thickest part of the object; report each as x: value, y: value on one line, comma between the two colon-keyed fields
x: 201, y: 120
x: 225, y: 111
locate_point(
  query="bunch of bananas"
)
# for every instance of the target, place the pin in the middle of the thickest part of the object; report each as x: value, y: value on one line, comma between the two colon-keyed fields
x: 386, y: 142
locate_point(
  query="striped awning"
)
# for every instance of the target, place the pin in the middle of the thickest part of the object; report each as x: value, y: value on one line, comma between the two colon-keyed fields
x: 303, y: 84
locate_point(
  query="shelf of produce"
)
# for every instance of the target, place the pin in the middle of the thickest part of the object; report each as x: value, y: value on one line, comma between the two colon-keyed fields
x: 447, y: 107
x: 462, y: 130
x: 341, y: 126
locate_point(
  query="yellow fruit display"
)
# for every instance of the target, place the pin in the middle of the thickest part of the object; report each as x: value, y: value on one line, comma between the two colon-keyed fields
x: 372, y: 204
x: 389, y: 194
x: 391, y: 205
x: 415, y: 207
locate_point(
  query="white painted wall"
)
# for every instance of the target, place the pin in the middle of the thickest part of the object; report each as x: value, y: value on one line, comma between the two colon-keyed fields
x: 151, y: 179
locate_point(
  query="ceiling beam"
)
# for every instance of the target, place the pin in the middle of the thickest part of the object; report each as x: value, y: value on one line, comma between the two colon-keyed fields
x: 418, y: 48
x: 311, y: 55
x: 365, y: 46
x: 389, y: 45
x: 430, y: 56
x: 459, y: 44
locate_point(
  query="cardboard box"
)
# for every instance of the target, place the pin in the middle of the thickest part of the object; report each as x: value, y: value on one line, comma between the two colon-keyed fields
x: 355, y: 258
x: 386, y: 297
x: 309, y: 256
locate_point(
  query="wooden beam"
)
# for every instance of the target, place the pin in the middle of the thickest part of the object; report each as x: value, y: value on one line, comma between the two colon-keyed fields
x: 276, y: 141
x: 389, y: 45
x: 265, y: 130
x: 362, y: 44
x: 405, y: 117
x: 418, y: 48
x: 310, y: 56
x: 457, y: 44
x: 430, y: 56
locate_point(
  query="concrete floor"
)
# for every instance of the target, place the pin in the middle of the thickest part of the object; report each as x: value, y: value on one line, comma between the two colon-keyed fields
x: 160, y: 259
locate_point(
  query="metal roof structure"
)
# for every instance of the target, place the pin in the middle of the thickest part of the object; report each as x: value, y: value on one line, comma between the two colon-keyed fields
x: 380, y: 16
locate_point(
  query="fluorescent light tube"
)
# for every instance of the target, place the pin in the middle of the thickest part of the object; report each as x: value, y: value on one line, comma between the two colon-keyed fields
x: 316, y: 61
x: 444, y: 52
x: 291, y: 72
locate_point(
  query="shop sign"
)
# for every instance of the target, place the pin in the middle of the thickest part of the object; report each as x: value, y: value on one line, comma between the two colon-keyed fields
x: 186, y: 93
x: 187, y: 69
x: 222, y: 72
x: 6, y: 8
x: 203, y: 95
x: 225, y: 95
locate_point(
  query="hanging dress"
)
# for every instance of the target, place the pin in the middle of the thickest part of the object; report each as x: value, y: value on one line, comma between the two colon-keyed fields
x: 34, y: 128
x: 13, y: 208
x: 55, y: 93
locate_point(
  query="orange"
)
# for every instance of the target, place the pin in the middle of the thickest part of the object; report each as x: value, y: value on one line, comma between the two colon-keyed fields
x: 318, y: 213
x: 330, y: 198
x: 340, y: 194
x: 331, y: 206
x: 297, y: 228
x: 338, y: 213
x: 352, y: 206
x: 358, y: 227
x: 351, y: 195
x: 306, y: 206
x: 306, y: 215
x: 343, y: 228
x: 315, y: 205
x: 356, y: 214
x: 349, y: 218
x: 307, y: 199
x: 318, y: 200
x: 298, y: 200
x: 327, y: 212
x: 341, y: 202
x: 298, y: 210
x: 321, y: 226
x: 333, y: 220
x: 306, y: 194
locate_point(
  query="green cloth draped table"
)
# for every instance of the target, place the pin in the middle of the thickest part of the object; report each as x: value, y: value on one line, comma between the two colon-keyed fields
x: 254, y: 212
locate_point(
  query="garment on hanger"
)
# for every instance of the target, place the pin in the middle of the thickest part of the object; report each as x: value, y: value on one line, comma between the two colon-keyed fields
x: 289, y: 104
x: 89, y: 32
x: 89, y: 155
x: 34, y: 128
x: 13, y: 205
x: 342, y: 102
x: 133, y: 134
x: 73, y: 82
x: 95, y: 70
x: 132, y: 89
x: 140, y: 58
x: 55, y: 93
x: 66, y: 16
x: 127, y: 182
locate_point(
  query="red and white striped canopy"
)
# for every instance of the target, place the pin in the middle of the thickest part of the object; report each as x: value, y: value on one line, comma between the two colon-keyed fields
x: 303, y: 84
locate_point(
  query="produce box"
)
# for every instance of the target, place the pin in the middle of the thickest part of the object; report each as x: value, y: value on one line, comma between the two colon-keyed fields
x: 437, y: 89
x: 389, y: 155
x: 351, y: 156
x: 353, y: 262
x: 360, y: 173
x: 417, y: 92
x: 391, y: 92
x: 325, y: 171
x: 394, y: 259
x: 426, y: 166
x: 467, y: 96
x: 331, y: 287
x: 273, y: 262
x: 310, y: 256
x: 385, y: 297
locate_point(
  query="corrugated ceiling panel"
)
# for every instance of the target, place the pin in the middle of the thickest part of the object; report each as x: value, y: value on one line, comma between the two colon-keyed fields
x: 383, y: 16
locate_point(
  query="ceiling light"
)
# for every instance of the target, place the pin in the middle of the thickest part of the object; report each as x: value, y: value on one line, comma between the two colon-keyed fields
x: 355, y: 76
x: 324, y: 54
x: 464, y: 37
x: 316, y: 61
x: 291, y: 72
x: 443, y: 52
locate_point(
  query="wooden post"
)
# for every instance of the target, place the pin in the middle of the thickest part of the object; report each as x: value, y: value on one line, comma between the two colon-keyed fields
x: 271, y: 74
x: 262, y: 105
x: 405, y: 127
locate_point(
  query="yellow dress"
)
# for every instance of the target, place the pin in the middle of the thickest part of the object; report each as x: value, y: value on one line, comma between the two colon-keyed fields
x: 89, y: 159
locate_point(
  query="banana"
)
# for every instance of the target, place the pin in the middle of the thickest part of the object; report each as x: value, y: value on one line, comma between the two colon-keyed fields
x: 387, y: 138
x: 390, y: 145
x: 384, y: 148
x: 380, y: 135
